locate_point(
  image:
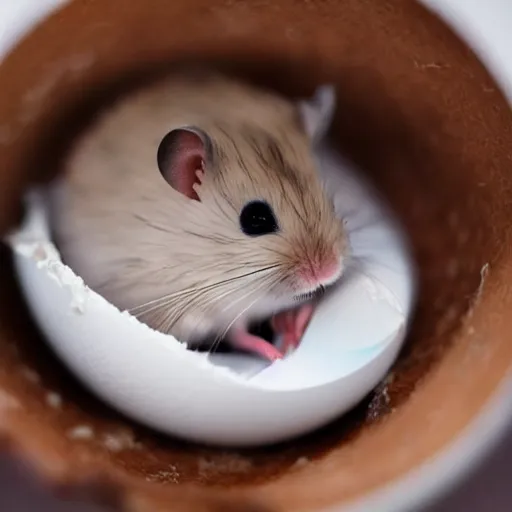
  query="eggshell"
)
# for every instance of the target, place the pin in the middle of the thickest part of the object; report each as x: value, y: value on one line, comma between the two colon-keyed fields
x: 350, y: 344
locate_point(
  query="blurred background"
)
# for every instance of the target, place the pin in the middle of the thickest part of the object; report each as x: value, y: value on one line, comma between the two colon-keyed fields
x: 487, y: 489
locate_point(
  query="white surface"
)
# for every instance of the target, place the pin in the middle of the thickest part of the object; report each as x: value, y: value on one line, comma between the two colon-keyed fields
x: 154, y: 379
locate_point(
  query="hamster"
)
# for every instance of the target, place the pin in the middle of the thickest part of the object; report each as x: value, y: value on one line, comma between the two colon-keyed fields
x: 196, y: 205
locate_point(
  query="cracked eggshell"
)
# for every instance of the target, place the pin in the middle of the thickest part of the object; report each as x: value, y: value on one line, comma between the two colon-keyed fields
x: 235, y: 400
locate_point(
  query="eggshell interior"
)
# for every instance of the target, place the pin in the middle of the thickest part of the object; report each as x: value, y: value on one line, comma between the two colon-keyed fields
x: 423, y: 119
x: 155, y: 380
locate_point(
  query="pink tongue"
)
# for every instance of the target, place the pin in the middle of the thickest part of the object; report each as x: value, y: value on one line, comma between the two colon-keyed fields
x: 292, y: 323
x: 244, y: 340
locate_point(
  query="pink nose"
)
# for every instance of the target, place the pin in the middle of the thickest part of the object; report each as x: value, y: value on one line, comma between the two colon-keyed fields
x: 328, y: 271
x: 321, y: 273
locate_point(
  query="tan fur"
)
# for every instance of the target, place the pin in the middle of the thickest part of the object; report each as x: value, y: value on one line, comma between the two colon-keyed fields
x: 184, y: 266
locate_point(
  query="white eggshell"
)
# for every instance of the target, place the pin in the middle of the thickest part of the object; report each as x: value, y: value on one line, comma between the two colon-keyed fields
x: 349, y: 346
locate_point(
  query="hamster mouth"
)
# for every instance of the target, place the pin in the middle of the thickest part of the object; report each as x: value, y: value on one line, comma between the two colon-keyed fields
x: 310, y: 295
x: 262, y: 329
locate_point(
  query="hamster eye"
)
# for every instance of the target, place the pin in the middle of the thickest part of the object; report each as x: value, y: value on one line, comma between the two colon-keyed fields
x: 258, y: 219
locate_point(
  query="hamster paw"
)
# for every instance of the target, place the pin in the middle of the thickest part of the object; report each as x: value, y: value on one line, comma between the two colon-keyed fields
x: 291, y: 324
x: 243, y: 340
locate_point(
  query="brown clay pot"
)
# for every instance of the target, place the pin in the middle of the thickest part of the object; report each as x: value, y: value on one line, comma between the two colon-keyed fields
x: 417, y: 112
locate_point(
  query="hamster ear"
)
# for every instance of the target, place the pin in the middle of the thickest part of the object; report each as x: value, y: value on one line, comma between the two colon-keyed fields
x: 181, y: 159
x: 316, y: 113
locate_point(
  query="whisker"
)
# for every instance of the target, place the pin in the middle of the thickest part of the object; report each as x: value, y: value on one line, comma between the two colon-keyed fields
x: 363, y: 225
x: 198, y: 297
x: 203, y: 288
x: 218, y: 339
x: 372, y: 260
x: 234, y: 291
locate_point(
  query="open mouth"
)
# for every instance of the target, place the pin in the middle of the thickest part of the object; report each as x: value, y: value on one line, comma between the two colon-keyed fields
x: 313, y: 294
x: 262, y: 329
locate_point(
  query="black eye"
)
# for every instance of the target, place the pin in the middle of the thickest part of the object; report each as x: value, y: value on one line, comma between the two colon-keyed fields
x: 257, y: 219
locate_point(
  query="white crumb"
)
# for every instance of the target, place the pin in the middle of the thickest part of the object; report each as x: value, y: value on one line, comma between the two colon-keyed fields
x: 484, y: 271
x: 119, y: 441
x: 170, y: 475
x: 54, y: 400
x: 301, y: 462
x: 81, y: 432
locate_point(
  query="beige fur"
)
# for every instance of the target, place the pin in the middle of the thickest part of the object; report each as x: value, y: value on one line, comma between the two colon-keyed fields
x: 184, y: 266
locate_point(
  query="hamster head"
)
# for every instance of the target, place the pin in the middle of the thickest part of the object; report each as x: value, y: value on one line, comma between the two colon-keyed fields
x: 259, y: 209
x: 235, y: 227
